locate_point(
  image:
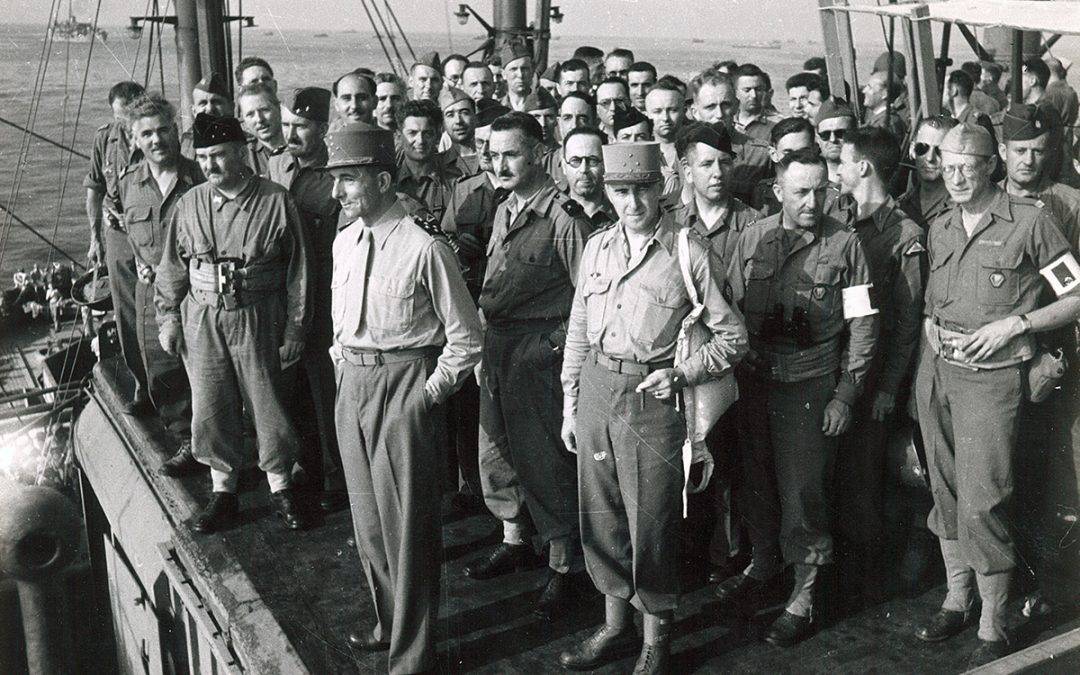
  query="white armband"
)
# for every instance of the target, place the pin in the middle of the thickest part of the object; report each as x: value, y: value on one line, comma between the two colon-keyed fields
x: 858, y: 301
x: 1063, y: 274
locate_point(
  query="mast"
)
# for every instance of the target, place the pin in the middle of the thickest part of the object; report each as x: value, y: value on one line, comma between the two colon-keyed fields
x: 189, y: 63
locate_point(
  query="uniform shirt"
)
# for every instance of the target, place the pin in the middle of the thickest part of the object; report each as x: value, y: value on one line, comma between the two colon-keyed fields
x: 894, y: 248
x: 406, y: 293
x: 109, y: 158
x: 1063, y: 97
x: 433, y: 188
x: 1064, y: 202
x: 147, y: 211
x: 994, y: 273
x: 602, y: 217
x: 631, y: 309
x: 752, y: 165
x: 258, y: 157
x: 311, y: 189
x: 983, y: 102
x: 260, y: 227
x: 723, y: 234
x: 533, y: 257
x: 670, y: 170
x: 894, y: 122
x: 758, y: 127
x: 475, y: 199
x: 766, y: 202
x: 552, y: 161
x: 924, y: 213
x: 466, y: 165
x: 811, y: 276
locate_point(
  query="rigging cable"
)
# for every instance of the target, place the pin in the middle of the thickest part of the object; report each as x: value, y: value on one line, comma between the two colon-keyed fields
x: 48, y: 140
x: 404, y: 37
x: 378, y: 36
x: 138, y: 45
x: 31, y: 118
x: 389, y: 35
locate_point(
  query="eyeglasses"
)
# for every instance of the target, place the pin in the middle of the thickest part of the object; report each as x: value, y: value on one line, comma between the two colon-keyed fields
x: 968, y: 170
x: 832, y: 134
x: 924, y: 148
x: 590, y: 162
x: 609, y: 102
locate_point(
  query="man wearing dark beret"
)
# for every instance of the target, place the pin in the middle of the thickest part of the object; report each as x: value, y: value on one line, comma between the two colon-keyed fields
x: 304, y: 121
x: 231, y: 294
x: 632, y: 126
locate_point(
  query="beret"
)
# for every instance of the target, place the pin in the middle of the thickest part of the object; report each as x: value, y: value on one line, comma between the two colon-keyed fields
x: 628, y: 117
x: 713, y: 135
x: 311, y: 103
x: 487, y: 111
x: 210, y: 130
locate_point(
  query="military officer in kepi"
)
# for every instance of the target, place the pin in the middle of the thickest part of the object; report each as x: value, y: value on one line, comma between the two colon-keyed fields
x: 620, y: 412
x: 988, y: 259
x: 406, y: 334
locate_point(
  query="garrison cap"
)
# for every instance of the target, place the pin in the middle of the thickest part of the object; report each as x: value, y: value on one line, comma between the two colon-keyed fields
x: 431, y: 60
x: 552, y: 72
x: 713, y: 135
x: 539, y: 99
x: 451, y: 95
x: 637, y: 163
x: 1024, y: 122
x: 210, y: 130
x: 213, y: 84
x: 360, y: 144
x: 833, y: 110
x: 487, y: 111
x: 512, y: 51
x: 628, y: 117
x: 969, y: 139
x: 311, y: 103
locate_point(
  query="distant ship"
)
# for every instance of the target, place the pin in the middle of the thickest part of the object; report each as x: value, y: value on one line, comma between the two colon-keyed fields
x: 774, y: 44
x: 75, y: 31
x: 699, y: 41
x: 321, y: 35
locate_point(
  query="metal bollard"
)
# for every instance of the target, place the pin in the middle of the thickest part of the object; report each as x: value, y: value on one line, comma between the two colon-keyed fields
x: 39, y: 536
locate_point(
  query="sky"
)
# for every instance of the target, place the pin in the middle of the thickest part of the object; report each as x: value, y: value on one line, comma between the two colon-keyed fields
x: 722, y: 19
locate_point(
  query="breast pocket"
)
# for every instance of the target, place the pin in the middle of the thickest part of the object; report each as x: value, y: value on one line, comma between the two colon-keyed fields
x: 999, y: 278
x: 338, y: 292
x: 937, y: 285
x: 390, y: 304
x: 139, y: 222
x: 657, y: 315
x: 533, y: 262
x: 596, y: 293
x: 824, y: 300
x: 758, y: 275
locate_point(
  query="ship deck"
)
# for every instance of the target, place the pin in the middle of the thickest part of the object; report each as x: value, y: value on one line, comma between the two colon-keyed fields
x: 297, y: 594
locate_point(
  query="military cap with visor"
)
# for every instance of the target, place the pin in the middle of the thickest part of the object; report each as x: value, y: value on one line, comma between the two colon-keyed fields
x: 210, y: 130
x: 637, y: 163
x: 359, y: 144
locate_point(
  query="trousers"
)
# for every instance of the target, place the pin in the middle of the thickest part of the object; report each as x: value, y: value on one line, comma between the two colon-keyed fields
x: 390, y: 452
x: 969, y: 421
x: 123, y: 278
x: 166, y: 377
x: 787, y: 470
x: 312, y: 385
x: 233, y: 363
x: 630, y: 482
x: 521, y: 407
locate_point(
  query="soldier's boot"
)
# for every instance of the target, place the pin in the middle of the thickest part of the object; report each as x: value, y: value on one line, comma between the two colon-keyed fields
x: 288, y: 509
x: 219, y: 513
x: 655, y: 657
x: 615, y: 639
x: 181, y: 463
x: 503, y: 559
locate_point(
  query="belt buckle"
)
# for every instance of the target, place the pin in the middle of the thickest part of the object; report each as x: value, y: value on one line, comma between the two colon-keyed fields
x: 377, y: 359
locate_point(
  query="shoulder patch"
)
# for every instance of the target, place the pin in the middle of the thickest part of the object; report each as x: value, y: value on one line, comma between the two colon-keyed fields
x: 915, y: 248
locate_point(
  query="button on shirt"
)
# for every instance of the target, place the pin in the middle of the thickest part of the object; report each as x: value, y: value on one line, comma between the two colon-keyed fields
x: 631, y: 309
x: 533, y: 257
x: 147, y: 211
x: 397, y: 287
x: 723, y: 234
x: 893, y: 245
x: 260, y: 226
x: 811, y: 275
x: 994, y: 273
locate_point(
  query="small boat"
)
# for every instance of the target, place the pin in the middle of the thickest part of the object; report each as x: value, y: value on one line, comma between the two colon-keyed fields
x: 76, y: 31
x: 321, y: 35
x: 773, y: 44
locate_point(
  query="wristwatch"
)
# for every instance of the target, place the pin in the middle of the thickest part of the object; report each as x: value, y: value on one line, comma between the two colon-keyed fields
x: 1025, y: 324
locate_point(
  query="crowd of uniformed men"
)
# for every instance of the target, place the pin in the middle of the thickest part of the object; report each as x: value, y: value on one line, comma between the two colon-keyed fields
x: 484, y: 263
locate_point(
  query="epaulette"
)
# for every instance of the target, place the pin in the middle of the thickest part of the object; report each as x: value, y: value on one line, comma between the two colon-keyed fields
x: 104, y: 127
x: 572, y: 208
x: 427, y: 222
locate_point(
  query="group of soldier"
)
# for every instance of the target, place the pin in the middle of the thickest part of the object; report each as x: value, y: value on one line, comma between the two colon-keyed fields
x: 494, y: 265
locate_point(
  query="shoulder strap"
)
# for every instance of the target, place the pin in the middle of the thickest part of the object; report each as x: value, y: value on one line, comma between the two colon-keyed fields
x: 684, y: 266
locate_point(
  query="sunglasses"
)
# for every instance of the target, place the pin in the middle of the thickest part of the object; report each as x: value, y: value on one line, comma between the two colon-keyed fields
x: 924, y: 148
x: 832, y: 134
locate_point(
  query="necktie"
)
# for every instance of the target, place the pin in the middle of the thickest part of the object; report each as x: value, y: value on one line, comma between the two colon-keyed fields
x: 363, y: 259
